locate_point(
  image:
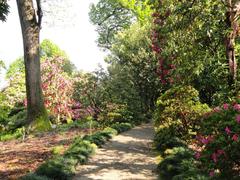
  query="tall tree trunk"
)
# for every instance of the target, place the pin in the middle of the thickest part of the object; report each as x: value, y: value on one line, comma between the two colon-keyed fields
x: 232, y: 23
x: 30, y: 25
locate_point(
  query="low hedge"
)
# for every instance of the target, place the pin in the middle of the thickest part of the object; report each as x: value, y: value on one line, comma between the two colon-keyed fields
x: 63, y: 168
x: 121, y: 127
x: 101, y: 137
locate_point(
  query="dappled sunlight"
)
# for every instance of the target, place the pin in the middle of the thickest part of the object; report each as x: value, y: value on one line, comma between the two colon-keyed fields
x: 126, y: 155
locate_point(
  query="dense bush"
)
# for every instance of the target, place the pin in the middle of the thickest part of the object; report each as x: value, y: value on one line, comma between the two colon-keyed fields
x: 99, y: 138
x: 114, y: 113
x: 80, y: 151
x: 8, y: 135
x: 179, y: 163
x: 180, y: 108
x: 57, y: 168
x: 33, y: 176
x: 218, y: 139
x: 18, y: 120
x: 121, y: 127
x: 64, y: 167
x: 165, y: 139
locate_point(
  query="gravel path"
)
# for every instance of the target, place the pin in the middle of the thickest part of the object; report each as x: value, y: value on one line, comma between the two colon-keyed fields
x: 126, y: 156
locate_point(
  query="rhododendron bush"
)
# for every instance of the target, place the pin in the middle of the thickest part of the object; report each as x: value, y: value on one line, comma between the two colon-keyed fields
x: 180, y: 108
x: 219, y: 141
x: 57, y: 88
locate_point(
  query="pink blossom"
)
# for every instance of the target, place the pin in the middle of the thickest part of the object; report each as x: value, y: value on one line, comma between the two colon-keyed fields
x: 236, y: 107
x: 227, y: 130
x: 220, y: 152
x: 225, y: 106
x: 211, y: 173
x: 197, y: 155
x: 214, y: 157
x: 238, y: 118
x: 25, y: 102
x: 235, y: 137
x: 204, y: 140
x: 216, y: 109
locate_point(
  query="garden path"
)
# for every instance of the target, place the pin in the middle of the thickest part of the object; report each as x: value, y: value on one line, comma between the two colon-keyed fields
x: 126, y: 156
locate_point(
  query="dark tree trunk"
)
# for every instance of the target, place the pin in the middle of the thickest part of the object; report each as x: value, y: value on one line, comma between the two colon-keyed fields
x: 30, y: 25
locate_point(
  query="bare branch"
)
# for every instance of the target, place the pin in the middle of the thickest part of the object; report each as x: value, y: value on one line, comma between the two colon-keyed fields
x: 39, y: 13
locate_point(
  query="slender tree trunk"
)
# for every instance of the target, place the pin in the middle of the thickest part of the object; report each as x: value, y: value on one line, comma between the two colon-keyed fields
x: 30, y: 25
x: 232, y: 23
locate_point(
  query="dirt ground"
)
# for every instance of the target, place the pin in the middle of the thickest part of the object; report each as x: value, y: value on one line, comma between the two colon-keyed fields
x: 17, y: 158
x: 126, y: 156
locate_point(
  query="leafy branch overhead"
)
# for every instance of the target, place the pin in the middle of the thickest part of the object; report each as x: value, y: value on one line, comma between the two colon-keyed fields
x: 4, y: 10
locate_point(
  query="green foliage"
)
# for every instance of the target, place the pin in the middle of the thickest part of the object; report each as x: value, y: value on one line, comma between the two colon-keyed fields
x: 81, y: 124
x: 114, y: 113
x: 122, y: 127
x: 16, y: 66
x: 101, y: 137
x: 180, y: 163
x: 41, y: 124
x: 18, y: 120
x: 131, y: 53
x: 57, y: 168
x: 141, y: 9
x: 15, y: 93
x: 50, y: 50
x: 80, y: 150
x: 218, y: 139
x: 89, y: 92
x: 4, y: 111
x: 110, y: 17
x: 4, y: 10
x: 57, y: 150
x: 9, y: 135
x: 180, y: 108
x: 165, y: 138
x: 33, y: 176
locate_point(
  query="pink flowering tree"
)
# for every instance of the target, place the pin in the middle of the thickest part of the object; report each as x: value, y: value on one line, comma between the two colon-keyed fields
x: 219, y: 140
x: 57, y: 89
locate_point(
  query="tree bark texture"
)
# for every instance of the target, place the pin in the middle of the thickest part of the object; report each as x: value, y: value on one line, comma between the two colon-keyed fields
x: 30, y: 21
x: 231, y: 19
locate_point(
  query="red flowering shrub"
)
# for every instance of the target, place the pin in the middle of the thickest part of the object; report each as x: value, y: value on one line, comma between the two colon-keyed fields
x: 165, y: 65
x: 219, y: 142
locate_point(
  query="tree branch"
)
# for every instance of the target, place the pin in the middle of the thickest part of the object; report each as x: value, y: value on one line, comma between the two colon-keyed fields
x: 39, y: 13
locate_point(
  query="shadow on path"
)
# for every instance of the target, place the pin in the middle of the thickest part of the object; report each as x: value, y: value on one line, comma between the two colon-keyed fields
x: 126, y: 156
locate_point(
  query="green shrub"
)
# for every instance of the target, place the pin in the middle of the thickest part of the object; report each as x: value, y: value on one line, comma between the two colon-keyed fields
x: 114, y: 113
x: 57, y: 150
x: 99, y: 138
x: 57, y: 168
x: 178, y: 162
x: 33, y: 176
x: 80, y: 150
x: 121, y: 127
x: 5, y: 136
x: 191, y: 175
x: 18, y: 120
x: 81, y: 124
x: 179, y: 107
